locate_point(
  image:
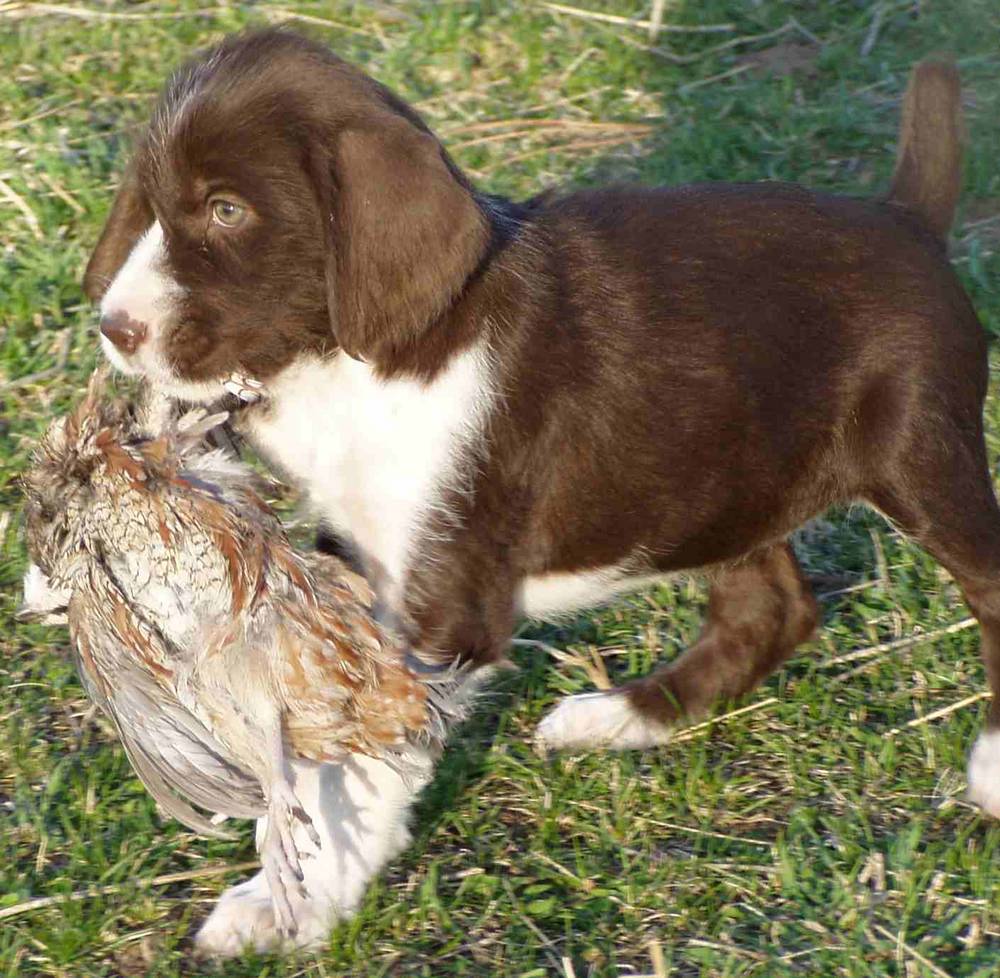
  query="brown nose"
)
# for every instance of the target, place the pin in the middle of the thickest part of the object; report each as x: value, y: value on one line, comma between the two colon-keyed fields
x: 126, y: 333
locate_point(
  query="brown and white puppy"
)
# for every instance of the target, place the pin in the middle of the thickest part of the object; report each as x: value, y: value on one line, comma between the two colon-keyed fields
x: 520, y: 409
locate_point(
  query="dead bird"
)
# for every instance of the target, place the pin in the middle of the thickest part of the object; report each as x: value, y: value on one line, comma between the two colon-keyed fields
x: 217, y: 650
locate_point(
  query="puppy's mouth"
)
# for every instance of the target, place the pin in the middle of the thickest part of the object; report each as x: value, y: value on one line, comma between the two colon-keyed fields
x: 136, y: 349
x: 238, y: 385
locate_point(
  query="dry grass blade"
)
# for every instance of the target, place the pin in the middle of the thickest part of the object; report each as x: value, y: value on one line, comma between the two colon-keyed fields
x: 44, y: 114
x: 278, y: 16
x: 521, y: 123
x: 593, y: 665
x: 722, y: 76
x: 607, y: 143
x: 40, y: 903
x: 62, y: 193
x: 850, y: 589
x: 902, y: 643
x: 387, y: 11
x: 676, y: 827
x: 500, y: 137
x: 21, y: 204
x: 868, y: 45
x: 548, y: 132
x: 691, y: 732
x: 656, y: 19
x: 559, y: 868
x: 805, y: 32
x: 560, y: 8
x: 656, y: 956
x: 897, y: 939
x: 732, y: 949
x: 737, y: 42
x: 88, y: 13
x: 549, y: 949
x: 943, y: 712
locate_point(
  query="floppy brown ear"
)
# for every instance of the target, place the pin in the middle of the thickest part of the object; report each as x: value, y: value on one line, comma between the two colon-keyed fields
x: 130, y: 217
x: 406, y: 235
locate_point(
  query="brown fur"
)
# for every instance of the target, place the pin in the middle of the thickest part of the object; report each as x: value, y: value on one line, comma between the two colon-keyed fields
x: 928, y: 177
x: 688, y: 373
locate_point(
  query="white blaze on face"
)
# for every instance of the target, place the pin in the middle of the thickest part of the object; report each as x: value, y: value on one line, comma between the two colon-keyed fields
x: 145, y: 291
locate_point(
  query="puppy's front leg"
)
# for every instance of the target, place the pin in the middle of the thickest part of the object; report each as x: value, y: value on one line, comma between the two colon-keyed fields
x: 359, y: 809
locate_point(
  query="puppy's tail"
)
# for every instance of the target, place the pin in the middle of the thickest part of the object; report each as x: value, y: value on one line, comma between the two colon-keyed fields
x: 928, y: 175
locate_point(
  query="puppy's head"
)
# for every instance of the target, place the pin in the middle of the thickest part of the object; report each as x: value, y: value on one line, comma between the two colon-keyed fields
x: 280, y: 203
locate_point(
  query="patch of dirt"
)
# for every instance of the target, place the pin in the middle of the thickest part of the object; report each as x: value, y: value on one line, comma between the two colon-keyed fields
x: 783, y: 60
x: 134, y: 960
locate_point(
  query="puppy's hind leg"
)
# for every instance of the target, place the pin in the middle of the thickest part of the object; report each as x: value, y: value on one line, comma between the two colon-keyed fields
x: 941, y: 495
x: 759, y: 610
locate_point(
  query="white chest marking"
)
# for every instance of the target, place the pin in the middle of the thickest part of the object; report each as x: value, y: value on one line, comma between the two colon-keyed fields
x: 374, y: 455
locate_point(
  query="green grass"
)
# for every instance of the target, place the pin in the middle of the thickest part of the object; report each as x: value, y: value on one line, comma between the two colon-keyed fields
x: 804, y: 837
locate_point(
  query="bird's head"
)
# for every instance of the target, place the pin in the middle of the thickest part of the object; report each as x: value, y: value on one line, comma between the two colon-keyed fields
x: 59, y: 500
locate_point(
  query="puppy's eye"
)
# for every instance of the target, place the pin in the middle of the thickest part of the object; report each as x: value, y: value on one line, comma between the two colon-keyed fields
x: 227, y: 213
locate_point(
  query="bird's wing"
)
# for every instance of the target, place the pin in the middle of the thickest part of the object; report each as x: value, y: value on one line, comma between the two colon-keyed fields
x: 178, y: 761
x: 127, y: 672
x: 341, y: 679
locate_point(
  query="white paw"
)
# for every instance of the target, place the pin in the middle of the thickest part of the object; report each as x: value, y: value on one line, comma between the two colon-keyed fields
x: 243, y: 919
x: 598, y: 720
x: 984, y: 773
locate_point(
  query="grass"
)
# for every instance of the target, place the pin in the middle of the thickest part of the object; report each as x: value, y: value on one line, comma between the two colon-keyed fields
x: 815, y: 834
